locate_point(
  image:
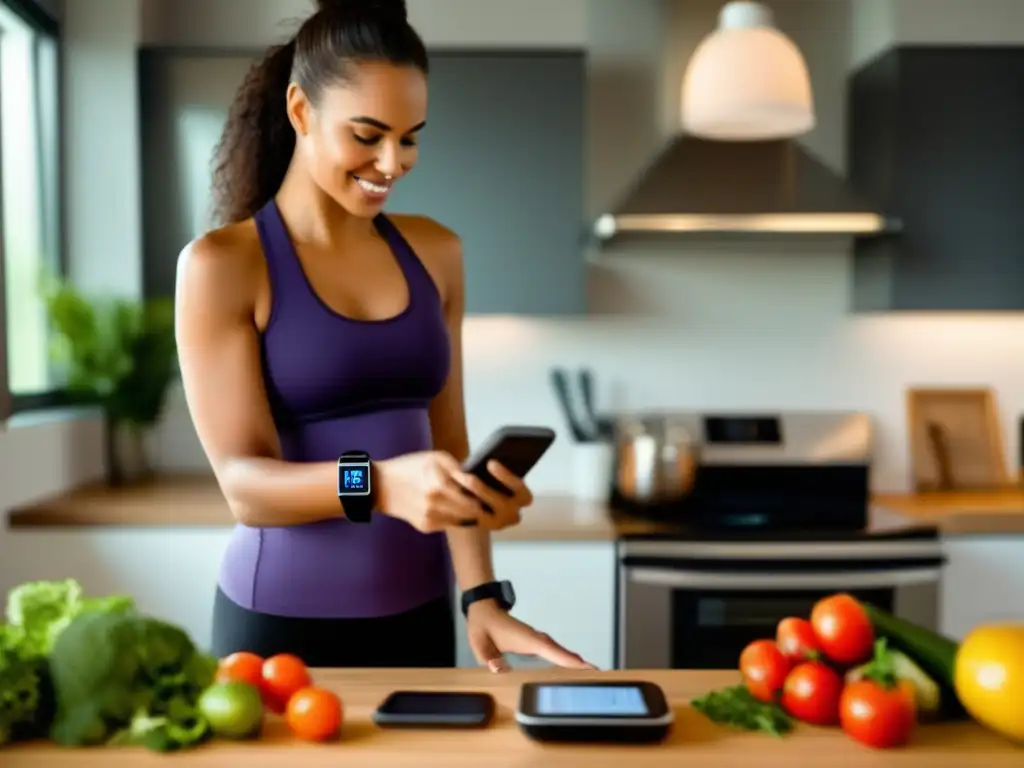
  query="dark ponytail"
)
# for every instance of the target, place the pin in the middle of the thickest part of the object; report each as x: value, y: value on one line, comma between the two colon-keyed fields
x: 258, y: 141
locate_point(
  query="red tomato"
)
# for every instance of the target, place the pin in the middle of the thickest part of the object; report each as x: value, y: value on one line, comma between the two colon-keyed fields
x: 843, y: 629
x: 283, y: 675
x: 314, y: 714
x: 796, y: 640
x: 811, y: 693
x: 876, y: 716
x: 242, y: 667
x: 764, y: 670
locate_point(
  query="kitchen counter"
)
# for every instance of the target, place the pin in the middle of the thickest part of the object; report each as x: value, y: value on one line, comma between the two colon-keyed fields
x: 195, y: 501
x: 961, y: 512
x: 694, y: 741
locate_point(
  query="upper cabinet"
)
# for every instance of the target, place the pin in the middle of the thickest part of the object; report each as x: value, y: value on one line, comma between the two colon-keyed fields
x: 501, y: 163
x: 937, y: 138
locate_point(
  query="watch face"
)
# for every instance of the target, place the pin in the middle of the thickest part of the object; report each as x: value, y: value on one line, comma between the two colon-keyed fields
x: 507, y: 593
x: 354, y: 479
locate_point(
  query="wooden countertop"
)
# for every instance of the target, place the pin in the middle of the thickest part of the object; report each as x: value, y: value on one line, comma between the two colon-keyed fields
x: 694, y: 741
x: 961, y: 512
x: 196, y: 501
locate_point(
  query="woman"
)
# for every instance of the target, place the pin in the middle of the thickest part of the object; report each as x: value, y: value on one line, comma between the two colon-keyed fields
x: 310, y: 326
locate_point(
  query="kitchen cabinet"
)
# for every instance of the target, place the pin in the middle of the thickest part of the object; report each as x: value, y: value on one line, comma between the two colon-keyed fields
x: 563, y: 588
x: 981, y: 582
x: 500, y: 163
x: 935, y: 138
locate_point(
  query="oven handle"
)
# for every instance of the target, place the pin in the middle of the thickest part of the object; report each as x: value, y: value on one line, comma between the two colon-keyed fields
x: 895, y: 577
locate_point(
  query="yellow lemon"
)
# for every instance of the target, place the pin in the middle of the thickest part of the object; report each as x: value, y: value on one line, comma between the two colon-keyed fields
x: 989, y: 677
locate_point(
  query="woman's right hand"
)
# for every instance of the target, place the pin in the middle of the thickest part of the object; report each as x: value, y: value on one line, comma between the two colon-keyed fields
x: 428, y: 490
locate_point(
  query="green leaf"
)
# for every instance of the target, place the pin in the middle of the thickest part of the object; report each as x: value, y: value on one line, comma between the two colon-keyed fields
x: 117, y: 353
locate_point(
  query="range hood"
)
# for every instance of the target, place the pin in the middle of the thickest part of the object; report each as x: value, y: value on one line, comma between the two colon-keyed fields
x: 773, y: 186
x: 736, y: 165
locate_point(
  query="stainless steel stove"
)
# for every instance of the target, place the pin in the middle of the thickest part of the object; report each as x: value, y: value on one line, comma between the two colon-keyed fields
x: 779, y: 517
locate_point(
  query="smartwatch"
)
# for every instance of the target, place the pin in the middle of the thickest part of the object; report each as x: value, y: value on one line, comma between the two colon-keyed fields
x: 500, y: 591
x: 354, y: 489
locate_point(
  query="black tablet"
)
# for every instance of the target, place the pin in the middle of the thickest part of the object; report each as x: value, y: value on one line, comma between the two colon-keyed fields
x: 606, y: 711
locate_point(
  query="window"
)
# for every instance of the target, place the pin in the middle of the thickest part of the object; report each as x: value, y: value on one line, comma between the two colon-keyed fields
x: 30, y: 196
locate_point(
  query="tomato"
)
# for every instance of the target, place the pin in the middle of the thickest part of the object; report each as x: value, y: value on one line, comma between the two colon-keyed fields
x: 283, y: 675
x: 242, y: 667
x: 811, y: 693
x: 233, y: 709
x: 764, y: 669
x: 314, y: 714
x: 877, y: 716
x: 796, y: 640
x: 843, y: 629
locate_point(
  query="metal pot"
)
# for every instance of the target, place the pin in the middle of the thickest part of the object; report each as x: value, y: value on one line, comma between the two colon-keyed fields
x: 656, y: 460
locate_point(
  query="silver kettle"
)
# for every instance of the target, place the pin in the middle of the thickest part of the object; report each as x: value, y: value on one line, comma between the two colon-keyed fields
x: 656, y: 460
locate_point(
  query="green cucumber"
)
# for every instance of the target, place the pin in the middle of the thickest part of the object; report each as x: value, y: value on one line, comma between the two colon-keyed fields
x: 935, y: 654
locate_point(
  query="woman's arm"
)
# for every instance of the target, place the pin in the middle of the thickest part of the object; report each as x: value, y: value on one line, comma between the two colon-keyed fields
x: 218, y: 349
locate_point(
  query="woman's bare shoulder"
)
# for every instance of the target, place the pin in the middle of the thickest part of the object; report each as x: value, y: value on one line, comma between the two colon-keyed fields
x: 433, y: 242
x: 227, y: 261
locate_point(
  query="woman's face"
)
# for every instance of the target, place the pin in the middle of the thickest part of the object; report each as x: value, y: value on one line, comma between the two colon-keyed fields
x: 361, y: 138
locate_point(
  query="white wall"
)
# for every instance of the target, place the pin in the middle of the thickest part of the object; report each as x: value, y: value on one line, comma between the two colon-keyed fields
x: 765, y: 327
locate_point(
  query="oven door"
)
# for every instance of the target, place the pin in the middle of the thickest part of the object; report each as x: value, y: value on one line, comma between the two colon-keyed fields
x: 696, y: 613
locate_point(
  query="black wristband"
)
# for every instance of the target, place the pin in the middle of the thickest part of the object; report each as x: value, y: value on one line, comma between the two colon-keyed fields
x: 355, y: 486
x: 499, y: 591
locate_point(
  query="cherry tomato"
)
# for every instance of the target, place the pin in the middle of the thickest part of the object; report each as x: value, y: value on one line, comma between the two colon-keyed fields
x: 797, y: 641
x: 811, y: 693
x: 283, y: 675
x: 877, y: 716
x: 764, y: 670
x: 843, y: 629
x: 241, y: 667
x: 314, y: 714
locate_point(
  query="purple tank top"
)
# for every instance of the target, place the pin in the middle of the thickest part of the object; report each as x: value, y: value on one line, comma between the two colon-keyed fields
x: 336, y: 384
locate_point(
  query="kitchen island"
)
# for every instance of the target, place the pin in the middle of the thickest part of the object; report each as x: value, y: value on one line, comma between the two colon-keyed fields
x: 694, y: 741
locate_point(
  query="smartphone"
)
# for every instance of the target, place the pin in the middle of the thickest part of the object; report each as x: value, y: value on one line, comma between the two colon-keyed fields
x: 435, y: 709
x: 518, y: 449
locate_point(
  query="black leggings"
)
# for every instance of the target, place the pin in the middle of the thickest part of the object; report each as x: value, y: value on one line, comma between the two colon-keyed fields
x: 422, y: 637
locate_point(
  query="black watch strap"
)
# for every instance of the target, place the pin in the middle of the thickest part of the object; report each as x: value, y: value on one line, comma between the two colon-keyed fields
x: 355, y: 486
x: 499, y: 591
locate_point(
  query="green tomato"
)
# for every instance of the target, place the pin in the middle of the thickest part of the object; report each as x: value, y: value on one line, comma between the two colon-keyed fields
x: 233, y: 709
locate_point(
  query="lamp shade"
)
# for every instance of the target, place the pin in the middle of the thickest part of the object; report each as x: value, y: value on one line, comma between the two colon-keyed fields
x: 747, y: 81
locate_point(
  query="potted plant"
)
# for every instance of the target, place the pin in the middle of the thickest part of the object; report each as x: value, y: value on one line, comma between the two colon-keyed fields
x: 118, y: 354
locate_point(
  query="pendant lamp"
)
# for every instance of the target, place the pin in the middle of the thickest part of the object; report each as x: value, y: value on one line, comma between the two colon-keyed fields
x: 747, y: 81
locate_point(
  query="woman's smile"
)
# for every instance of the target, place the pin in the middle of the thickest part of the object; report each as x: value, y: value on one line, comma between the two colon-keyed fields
x: 375, y: 189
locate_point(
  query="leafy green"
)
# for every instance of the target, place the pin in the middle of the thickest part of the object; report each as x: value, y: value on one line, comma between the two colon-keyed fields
x: 37, y: 612
x: 737, y: 708
x: 116, y: 353
x: 20, y: 690
x: 123, y: 678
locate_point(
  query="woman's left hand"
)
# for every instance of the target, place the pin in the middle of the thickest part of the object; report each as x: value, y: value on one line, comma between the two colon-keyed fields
x: 493, y: 633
